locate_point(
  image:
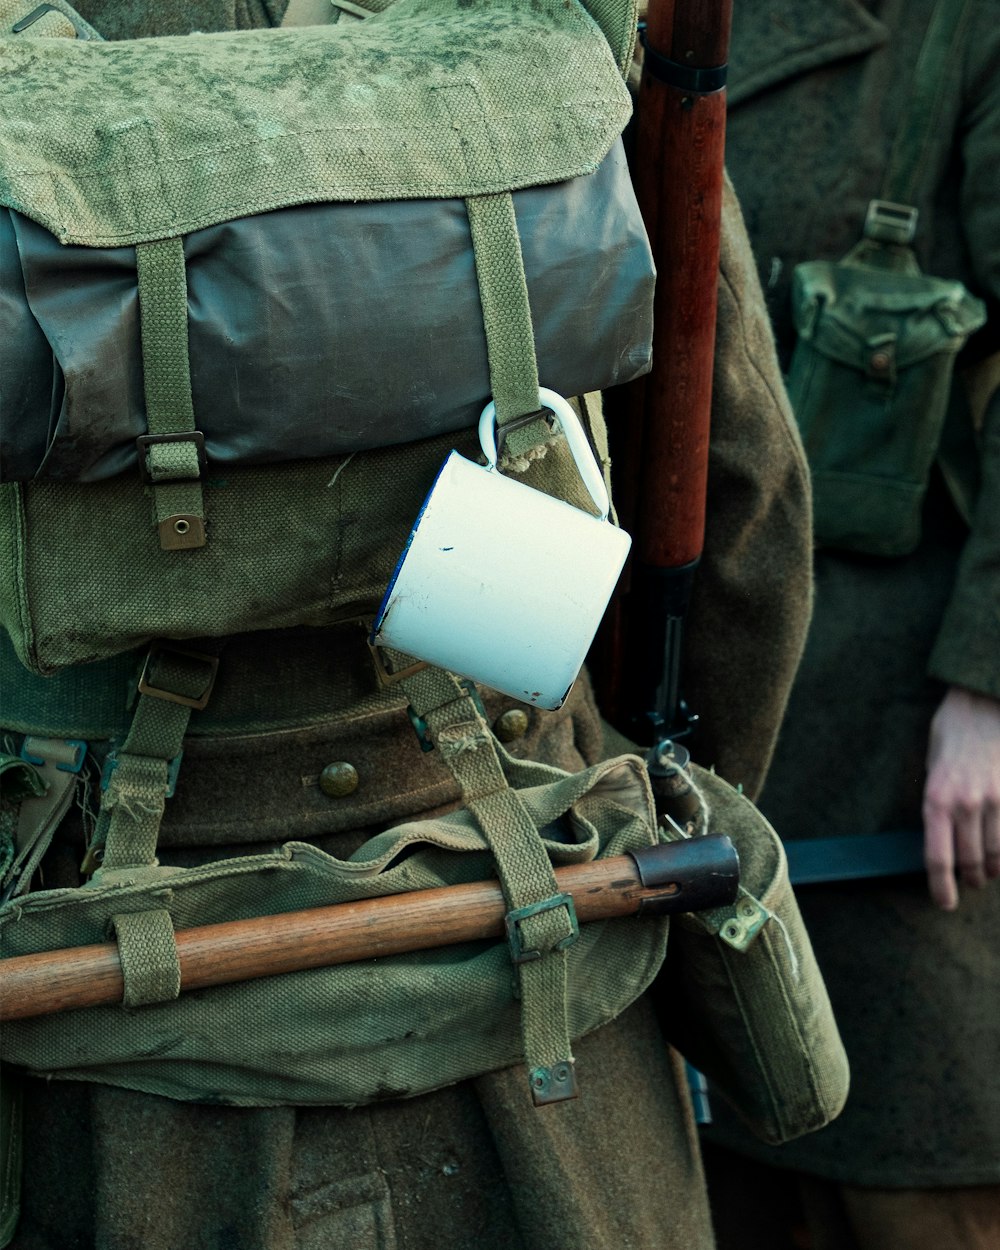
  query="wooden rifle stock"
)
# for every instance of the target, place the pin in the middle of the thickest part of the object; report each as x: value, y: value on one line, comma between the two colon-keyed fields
x: 661, y: 455
x: 669, y: 877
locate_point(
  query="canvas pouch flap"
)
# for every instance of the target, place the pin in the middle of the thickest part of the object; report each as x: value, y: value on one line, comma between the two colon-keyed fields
x: 869, y: 383
x: 358, y: 1032
x: 109, y: 144
x: 314, y: 330
x: 741, y: 995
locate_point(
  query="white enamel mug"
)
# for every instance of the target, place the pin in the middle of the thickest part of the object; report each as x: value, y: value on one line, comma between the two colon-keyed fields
x: 501, y: 583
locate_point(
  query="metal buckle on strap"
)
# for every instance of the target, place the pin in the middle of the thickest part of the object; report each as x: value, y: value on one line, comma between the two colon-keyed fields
x: 31, y: 18
x: 351, y: 10
x: 145, y: 441
x: 521, y: 423
x: 887, y: 222
x: 513, y: 918
x: 392, y: 677
x: 171, y: 696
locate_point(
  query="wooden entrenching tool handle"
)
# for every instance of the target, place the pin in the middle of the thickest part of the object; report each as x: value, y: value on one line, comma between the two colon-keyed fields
x: 687, y: 875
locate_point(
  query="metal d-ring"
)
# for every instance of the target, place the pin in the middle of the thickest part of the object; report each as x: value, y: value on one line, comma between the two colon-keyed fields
x: 576, y: 439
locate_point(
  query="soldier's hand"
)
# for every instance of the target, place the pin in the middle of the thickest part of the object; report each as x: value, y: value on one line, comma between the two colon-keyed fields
x: 962, y: 795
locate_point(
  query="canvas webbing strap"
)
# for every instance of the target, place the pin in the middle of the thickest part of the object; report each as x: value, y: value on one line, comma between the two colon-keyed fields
x: 510, y: 336
x: 147, y: 950
x: 541, y: 922
x: 907, y: 163
x: 171, y: 454
x: 140, y: 775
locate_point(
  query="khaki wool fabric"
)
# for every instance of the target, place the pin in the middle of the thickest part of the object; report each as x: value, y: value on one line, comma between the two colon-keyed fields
x: 474, y: 1164
x: 817, y: 92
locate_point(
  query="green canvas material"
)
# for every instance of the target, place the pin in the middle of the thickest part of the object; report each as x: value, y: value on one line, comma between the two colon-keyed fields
x: 173, y: 466
x: 83, y: 576
x: 754, y: 1015
x: 431, y: 98
x: 389, y: 1028
x: 870, y: 382
x: 462, y: 735
x: 871, y: 375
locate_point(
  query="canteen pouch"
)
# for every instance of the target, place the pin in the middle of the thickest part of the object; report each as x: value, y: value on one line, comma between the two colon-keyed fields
x: 870, y: 382
x: 741, y: 995
x: 386, y: 1028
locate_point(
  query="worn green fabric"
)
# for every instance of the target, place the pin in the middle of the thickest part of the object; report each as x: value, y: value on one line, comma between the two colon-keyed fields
x: 474, y: 1164
x: 462, y: 735
x: 869, y: 382
x: 314, y: 554
x: 503, y: 291
x: 758, y: 1020
x: 818, y: 91
x: 359, y: 1032
x: 430, y: 98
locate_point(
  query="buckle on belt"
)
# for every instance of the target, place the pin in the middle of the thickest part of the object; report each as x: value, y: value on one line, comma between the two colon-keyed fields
x: 170, y: 696
x: 512, y: 920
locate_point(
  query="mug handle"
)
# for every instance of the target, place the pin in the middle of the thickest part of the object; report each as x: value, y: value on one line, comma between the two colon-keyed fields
x: 583, y: 456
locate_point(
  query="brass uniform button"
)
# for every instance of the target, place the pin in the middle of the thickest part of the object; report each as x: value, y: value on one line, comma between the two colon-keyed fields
x: 339, y: 779
x: 511, y: 724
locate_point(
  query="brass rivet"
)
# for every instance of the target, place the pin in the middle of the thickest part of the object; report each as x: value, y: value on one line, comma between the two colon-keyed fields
x: 880, y: 361
x: 511, y: 724
x: 339, y: 779
x: 181, y: 526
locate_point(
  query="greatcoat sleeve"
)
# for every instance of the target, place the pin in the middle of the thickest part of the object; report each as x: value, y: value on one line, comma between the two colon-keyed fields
x: 752, y: 594
x: 967, y: 652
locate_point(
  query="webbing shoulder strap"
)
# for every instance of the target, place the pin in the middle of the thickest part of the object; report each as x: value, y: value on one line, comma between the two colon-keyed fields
x: 943, y: 40
x: 541, y: 921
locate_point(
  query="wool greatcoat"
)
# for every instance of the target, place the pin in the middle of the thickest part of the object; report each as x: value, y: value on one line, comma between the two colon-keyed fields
x: 472, y: 1165
x: 818, y: 90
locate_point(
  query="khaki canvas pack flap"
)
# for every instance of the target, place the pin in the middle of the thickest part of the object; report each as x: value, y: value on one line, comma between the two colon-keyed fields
x: 119, y: 143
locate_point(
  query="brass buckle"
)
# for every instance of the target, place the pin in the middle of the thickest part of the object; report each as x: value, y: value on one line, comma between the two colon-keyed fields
x: 170, y: 696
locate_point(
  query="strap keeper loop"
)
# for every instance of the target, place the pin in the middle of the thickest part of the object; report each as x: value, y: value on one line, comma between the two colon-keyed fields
x: 145, y: 441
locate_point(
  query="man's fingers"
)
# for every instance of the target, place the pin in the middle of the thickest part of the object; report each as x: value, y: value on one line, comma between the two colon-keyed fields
x: 991, y: 839
x: 968, y: 825
x: 939, y: 857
